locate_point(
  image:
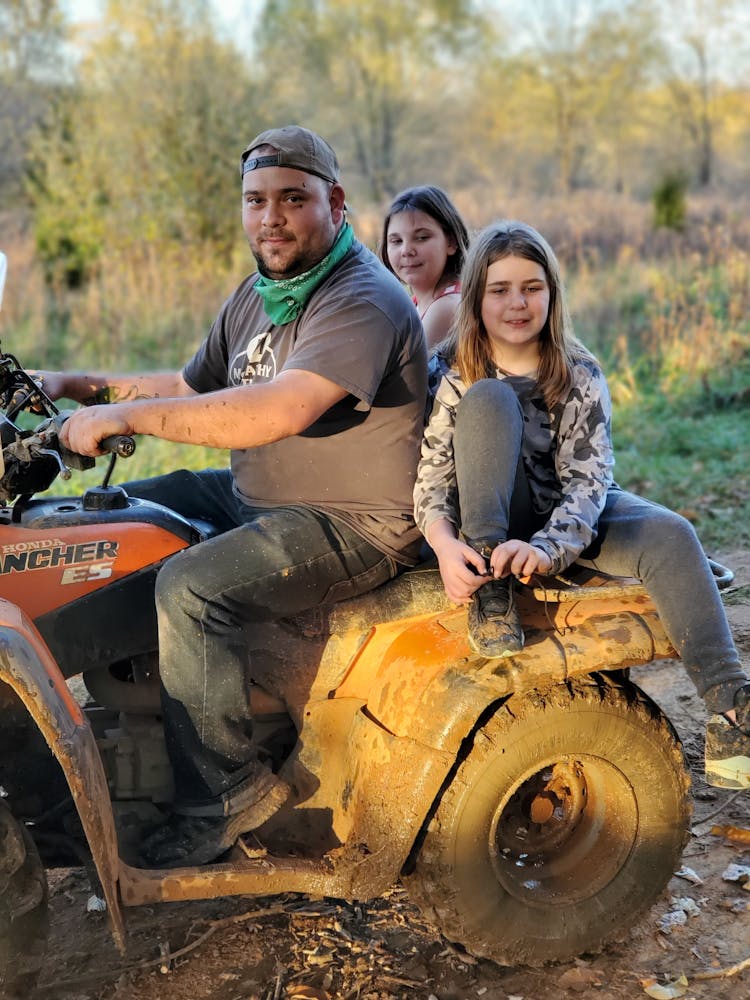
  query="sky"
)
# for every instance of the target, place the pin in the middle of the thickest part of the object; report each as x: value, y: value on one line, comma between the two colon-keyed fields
x: 81, y: 10
x: 236, y: 18
x: 230, y: 12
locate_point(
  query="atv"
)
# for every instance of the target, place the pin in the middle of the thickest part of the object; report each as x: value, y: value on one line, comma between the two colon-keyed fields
x: 534, y: 806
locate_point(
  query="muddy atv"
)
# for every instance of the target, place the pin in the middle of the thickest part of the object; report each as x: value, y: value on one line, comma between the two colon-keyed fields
x: 534, y: 806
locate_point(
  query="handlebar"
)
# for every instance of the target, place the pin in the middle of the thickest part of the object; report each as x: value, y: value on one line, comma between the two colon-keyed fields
x: 118, y: 444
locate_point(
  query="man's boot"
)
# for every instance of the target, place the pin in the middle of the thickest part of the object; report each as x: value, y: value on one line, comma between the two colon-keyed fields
x: 200, y: 835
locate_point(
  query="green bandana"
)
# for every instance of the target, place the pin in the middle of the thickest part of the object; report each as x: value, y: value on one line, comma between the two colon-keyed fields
x: 285, y: 299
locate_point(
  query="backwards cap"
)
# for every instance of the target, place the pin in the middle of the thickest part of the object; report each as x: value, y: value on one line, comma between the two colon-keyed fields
x: 296, y: 147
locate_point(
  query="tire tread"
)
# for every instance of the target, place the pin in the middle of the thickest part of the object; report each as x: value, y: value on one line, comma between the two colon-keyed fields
x: 430, y: 885
x: 24, y: 920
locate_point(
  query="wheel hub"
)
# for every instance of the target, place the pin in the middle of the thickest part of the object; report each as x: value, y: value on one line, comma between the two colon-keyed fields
x: 563, y: 832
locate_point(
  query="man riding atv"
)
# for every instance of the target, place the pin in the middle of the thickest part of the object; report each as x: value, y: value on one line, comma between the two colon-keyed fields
x: 313, y: 374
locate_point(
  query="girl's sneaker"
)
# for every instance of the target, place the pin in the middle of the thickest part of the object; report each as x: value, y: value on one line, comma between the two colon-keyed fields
x: 494, y: 624
x: 728, y: 745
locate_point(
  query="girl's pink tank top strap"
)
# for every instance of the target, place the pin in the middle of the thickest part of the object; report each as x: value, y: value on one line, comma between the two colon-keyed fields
x: 453, y: 289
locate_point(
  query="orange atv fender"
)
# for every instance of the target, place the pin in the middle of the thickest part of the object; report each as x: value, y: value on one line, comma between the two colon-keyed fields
x: 28, y: 667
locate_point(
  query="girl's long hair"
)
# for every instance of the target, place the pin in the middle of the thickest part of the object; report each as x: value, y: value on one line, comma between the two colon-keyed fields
x: 468, y: 346
x: 433, y: 201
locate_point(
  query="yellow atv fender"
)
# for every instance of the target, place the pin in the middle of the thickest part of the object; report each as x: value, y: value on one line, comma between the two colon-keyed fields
x: 396, y: 692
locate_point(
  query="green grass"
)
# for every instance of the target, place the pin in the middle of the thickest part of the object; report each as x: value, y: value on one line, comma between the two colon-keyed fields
x: 737, y: 596
x: 670, y: 322
x: 152, y: 457
x: 691, y: 456
x: 684, y: 453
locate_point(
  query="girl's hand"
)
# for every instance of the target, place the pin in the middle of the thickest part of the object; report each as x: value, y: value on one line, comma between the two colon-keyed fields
x: 457, y: 563
x: 520, y: 559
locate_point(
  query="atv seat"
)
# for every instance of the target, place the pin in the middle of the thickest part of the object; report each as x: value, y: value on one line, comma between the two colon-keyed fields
x: 420, y: 591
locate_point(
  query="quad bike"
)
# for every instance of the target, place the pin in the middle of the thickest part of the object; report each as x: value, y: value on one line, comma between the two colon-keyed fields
x: 535, y: 806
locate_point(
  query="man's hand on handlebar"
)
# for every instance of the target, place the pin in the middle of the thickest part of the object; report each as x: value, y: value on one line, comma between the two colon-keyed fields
x: 83, y: 431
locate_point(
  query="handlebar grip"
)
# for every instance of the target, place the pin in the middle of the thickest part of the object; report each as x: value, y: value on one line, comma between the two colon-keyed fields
x: 118, y: 444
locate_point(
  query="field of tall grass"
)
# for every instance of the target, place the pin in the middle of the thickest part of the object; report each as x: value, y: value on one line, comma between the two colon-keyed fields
x: 667, y: 312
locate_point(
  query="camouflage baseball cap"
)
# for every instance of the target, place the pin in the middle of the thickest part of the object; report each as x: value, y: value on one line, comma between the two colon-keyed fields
x: 296, y: 147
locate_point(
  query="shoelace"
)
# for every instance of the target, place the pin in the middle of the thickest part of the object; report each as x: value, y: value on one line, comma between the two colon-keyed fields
x: 503, y: 598
x: 538, y: 581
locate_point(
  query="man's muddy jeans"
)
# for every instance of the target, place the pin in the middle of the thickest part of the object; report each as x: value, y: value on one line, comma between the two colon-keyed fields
x: 635, y: 538
x: 267, y: 563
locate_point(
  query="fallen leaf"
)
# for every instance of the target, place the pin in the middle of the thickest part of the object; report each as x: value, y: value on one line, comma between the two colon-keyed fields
x: 687, y: 904
x: 579, y: 979
x: 665, y: 991
x: 737, y: 873
x: 735, y: 834
x: 689, y: 875
x: 254, y: 853
x: 668, y: 921
x: 319, y: 956
x: 307, y: 993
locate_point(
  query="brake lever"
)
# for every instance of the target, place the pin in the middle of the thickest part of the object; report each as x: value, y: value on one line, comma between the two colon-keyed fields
x: 65, y: 472
x: 47, y: 436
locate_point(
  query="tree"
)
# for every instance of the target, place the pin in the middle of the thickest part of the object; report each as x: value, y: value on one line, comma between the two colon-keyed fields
x: 583, y: 67
x: 703, y: 45
x: 31, y: 37
x: 146, y: 147
x: 358, y: 71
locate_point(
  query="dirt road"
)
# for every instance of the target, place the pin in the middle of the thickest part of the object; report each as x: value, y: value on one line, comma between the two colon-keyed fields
x: 284, y: 947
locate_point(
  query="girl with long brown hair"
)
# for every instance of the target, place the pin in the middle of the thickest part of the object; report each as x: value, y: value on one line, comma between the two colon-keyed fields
x: 516, y: 479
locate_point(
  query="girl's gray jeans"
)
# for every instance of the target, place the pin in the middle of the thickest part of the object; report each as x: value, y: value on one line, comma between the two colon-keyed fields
x: 635, y: 538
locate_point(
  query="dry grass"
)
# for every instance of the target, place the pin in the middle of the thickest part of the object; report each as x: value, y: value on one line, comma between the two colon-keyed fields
x: 679, y: 300
x: 668, y: 313
x: 148, y: 307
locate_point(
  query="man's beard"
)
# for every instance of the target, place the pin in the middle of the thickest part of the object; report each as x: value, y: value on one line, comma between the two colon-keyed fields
x: 298, y: 264
x: 262, y: 269
x: 292, y: 269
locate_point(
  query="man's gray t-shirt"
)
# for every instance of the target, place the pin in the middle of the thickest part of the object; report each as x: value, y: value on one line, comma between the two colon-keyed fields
x: 358, y: 461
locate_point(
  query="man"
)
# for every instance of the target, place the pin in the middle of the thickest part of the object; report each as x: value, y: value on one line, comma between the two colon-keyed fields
x: 313, y: 374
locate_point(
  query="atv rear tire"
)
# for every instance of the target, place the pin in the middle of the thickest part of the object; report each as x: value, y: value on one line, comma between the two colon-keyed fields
x: 24, y: 920
x: 563, y: 824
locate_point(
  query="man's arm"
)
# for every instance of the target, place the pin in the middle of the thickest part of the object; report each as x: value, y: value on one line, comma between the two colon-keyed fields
x: 92, y: 389
x: 238, y: 417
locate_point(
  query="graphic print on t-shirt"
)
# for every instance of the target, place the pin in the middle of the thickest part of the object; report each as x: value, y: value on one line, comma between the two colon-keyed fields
x: 255, y: 364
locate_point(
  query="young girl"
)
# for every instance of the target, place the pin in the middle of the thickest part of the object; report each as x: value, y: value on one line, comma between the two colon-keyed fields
x: 423, y: 243
x: 516, y: 478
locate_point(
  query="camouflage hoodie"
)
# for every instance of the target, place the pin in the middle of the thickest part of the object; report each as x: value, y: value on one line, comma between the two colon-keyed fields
x: 567, y: 455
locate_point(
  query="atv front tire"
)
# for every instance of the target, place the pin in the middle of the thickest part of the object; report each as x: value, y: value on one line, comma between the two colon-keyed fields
x: 563, y: 824
x: 24, y: 920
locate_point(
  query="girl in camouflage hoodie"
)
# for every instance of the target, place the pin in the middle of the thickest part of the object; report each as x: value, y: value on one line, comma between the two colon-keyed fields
x: 516, y: 471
